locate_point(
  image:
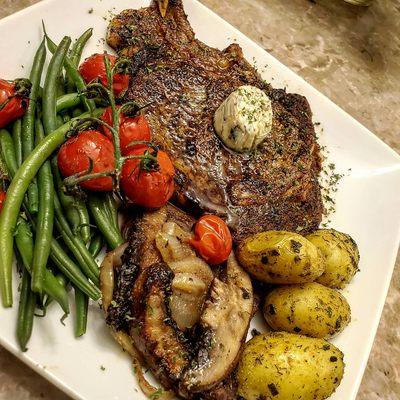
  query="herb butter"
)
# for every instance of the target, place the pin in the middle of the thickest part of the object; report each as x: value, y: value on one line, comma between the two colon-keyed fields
x: 244, y: 119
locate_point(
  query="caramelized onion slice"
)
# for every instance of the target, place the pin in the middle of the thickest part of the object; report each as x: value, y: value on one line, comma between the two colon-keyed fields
x: 112, y: 260
x: 171, y: 248
x: 192, y: 275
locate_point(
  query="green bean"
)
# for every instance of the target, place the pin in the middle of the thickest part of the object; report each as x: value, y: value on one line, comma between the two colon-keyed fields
x: 44, y: 230
x: 84, y: 227
x: 111, y: 205
x: 8, y: 159
x: 50, y: 87
x: 62, y: 281
x: 59, y: 120
x: 7, y: 152
x: 67, y: 101
x: 69, y: 203
x: 74, y: 75
x: 45, y: 220
x: 24, y: 242
x: 81, y: 312
x: 26, y: 311
x: 79, y: 45
x: 76, y: 112
x: 3, y: 169
x: 14, y: 199
x: 16, y: 133
x: 104, y: 220
x: 51, y: 285
x: 65, y: 118
x: 96, y: 245
x: 28, y: 127
x: 76, y: 53
x: 72, y: 271
x: 76, y: 245
x: 60, y: 83
x: 62, y: 260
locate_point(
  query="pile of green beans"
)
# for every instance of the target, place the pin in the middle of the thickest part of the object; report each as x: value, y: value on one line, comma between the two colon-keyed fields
x: 56, y: 236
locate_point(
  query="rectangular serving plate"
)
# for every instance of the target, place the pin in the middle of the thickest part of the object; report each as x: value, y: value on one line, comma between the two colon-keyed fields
x: 367, y: 207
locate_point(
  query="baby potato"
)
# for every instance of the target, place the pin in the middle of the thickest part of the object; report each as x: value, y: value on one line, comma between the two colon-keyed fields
x: 341, y: 257
x: 285, y: 366
x: 310, y: 309
x: 281, y: 257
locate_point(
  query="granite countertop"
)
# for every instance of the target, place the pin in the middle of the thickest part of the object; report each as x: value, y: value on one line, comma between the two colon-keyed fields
x: 349, y: 53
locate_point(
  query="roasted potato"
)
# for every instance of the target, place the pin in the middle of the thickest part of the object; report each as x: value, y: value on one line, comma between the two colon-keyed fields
x: 283, y: 366
x: 281, y: 257
x: 341, y: 257
x: 310, y: 309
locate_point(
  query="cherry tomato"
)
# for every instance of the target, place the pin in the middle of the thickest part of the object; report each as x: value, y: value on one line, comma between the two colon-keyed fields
x: 75, y: 155
x: 130, y: 129
x: 148, y: 182
x: 93, y: 68
x: 212, y: 239
x: 14, y: 100
x: 2, y: 199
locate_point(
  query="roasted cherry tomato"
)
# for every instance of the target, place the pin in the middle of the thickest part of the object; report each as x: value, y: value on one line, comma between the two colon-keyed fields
x: 2, y: 199
x: 130, y: 129
x: 75, y: 155
x: 93, y: 68
x: 14, y: 100
x: 212, y: 239
x: 148, y: 181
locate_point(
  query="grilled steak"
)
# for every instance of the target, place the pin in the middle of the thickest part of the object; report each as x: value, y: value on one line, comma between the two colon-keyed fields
x: 198, y: 362
x: 183, y: 82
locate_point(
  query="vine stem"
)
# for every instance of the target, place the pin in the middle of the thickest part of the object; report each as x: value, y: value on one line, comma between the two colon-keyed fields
x: 73, y: 180
x: 119, y: 161
x: 108, y: 91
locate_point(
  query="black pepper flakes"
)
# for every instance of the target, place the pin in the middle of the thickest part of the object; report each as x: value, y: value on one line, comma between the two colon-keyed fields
x: 272, y: 388
x: 271, y: 309
x: 296, y: 246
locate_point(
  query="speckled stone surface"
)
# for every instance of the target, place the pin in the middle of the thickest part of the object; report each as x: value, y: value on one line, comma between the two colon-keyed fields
x: 349, y: 53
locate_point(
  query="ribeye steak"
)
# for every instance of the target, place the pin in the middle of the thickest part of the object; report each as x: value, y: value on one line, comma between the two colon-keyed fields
x: 184, y: 81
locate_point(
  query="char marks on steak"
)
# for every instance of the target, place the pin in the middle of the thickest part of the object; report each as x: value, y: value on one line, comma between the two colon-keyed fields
x: 184, y: 81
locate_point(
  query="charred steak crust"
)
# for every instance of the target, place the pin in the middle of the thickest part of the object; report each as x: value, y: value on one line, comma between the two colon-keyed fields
x: 153, y: 332
x: 183, y: 81
x: 119, y: 311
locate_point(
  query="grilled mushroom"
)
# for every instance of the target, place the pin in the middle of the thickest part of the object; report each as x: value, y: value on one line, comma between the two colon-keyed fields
x: 193, y: 354
x: 224, y: 324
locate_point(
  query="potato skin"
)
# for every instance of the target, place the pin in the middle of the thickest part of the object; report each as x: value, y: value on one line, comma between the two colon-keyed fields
x: 280, y: 257
x: 341, y: 256
x: 285, y: 366
x: 310, y: 309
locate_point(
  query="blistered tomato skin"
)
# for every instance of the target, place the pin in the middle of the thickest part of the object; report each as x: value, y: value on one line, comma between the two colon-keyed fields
x: 2, y: 199
x: 94, y: 68
x: 212, y: 239
x: 131, y: 129
x: 75, y: 155
x: 12, y: 106
x: 146, y: 183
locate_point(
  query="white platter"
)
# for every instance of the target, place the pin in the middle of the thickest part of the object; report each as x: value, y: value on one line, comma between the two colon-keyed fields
x: 368, y: 207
